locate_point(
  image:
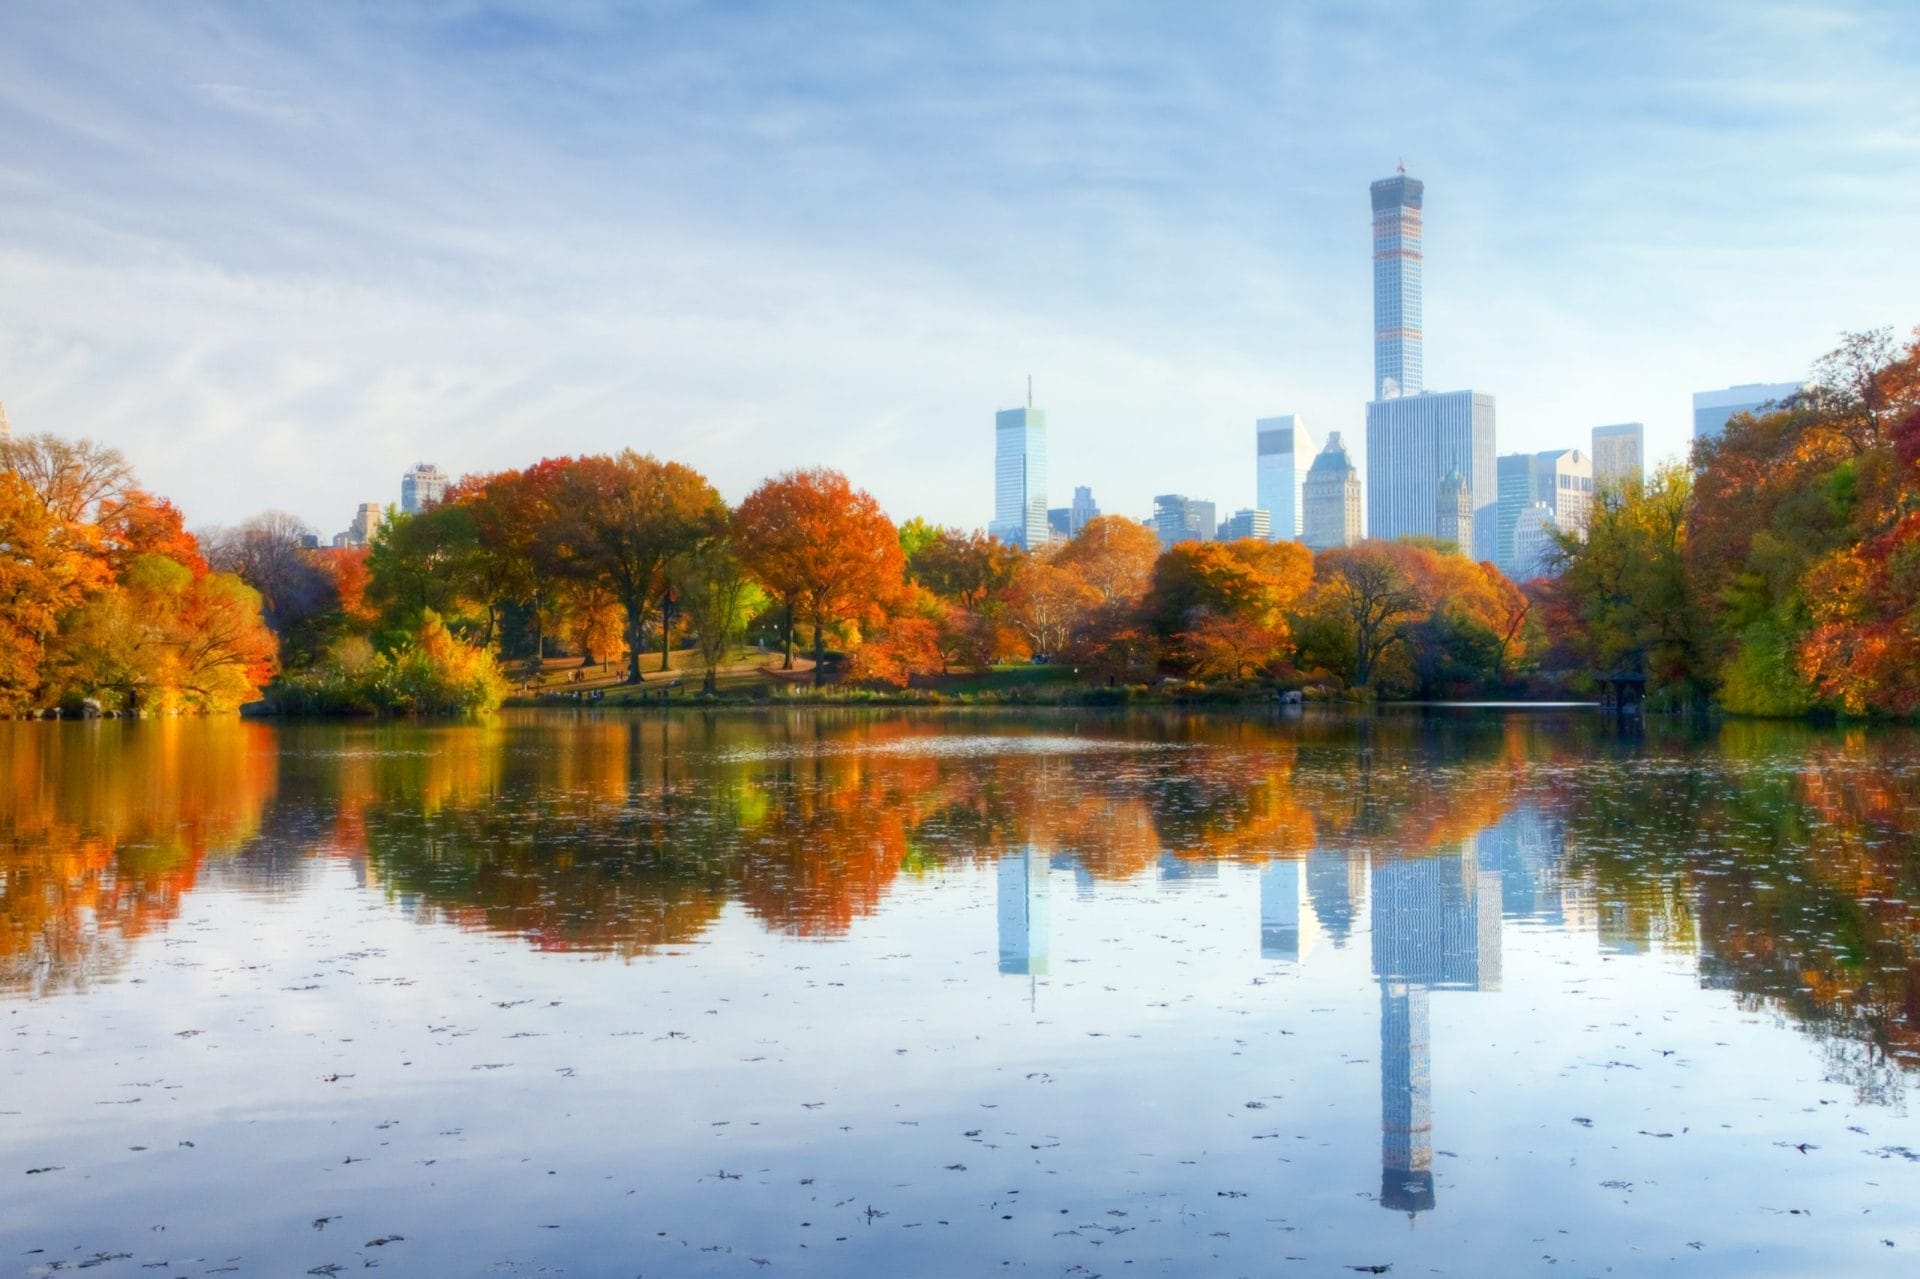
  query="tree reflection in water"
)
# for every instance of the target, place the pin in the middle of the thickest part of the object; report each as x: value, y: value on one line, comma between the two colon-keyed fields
x: 1785, y: 858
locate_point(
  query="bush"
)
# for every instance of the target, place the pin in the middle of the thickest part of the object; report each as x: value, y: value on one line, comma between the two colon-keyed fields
x: 430, y: 672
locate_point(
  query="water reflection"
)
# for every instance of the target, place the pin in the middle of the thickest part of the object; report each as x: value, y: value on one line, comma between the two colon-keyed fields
x: 1784, y: 859
x: 103, y: 833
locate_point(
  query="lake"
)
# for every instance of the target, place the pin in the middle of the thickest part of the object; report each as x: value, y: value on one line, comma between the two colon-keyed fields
x: 1075, y: 993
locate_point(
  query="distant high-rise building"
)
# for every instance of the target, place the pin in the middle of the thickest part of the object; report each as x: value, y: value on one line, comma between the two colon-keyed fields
x: 1284, y: 452
x: 1330, y: 499
x: 1411, y: 443
x: 1059, y: 523
x: 1247, y: 522
x: 1414, y: 437
x: 1083, y: 511
x: 1020, y: 477
x: 6, y: 427
x: 1397, y: 339
x: 1713, y: 409
x: 1453, y: 518
x: 1559, y: 479
x: 1177, y: 518
x: 421, y: 487
x: 1619, y: 454
x: 1533, y: 543
x: 366, y: 524
x: 1516, y: 489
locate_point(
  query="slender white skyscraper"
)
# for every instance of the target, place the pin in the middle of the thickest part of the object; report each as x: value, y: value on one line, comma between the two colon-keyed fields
x: 1415, y: 437
x: 1397, y: 337
x: 1285, y: 450
x: 1020, y: 476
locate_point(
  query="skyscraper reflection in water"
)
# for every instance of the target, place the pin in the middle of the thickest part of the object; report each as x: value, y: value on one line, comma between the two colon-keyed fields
x: 1280, y: 930
x: 1023, y: 912
x: 1436, y: 926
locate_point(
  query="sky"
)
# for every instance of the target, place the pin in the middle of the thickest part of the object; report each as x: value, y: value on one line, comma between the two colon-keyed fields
x: 278, y: 253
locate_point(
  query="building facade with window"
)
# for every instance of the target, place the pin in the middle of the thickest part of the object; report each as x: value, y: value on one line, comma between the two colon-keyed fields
x: 1283, y: 452
x: 1020, y: 477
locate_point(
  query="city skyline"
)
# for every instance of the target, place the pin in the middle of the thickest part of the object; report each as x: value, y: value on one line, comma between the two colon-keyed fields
x: 481, y: 235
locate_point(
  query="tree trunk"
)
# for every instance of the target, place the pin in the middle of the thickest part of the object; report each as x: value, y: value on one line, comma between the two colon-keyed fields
x: 819, y: 652
x: 666, y: 629
x: 634, y: 618
x: 789, y: 665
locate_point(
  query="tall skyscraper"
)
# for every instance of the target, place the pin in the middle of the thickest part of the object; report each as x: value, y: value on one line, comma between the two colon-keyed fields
x: 1396, y: 286
x: 1177, y: 518
x: 1020, y: 477
x: 422, y: 486
x: 6, y: 427
x: 1411, y: 445
x: 1414, y: 437
x: 1330, y: 499
x: 1284, y: 452
x: 1713, y: 409
x: 1619, y: 454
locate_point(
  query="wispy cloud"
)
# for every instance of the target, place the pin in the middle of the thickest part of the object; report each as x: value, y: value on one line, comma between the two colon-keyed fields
x: 267, y: 104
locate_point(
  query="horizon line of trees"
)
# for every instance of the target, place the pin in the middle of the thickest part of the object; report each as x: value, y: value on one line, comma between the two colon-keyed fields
x: 1779, y: 575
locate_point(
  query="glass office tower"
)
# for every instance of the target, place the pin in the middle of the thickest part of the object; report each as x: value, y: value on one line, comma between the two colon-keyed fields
x: 1020, y: 477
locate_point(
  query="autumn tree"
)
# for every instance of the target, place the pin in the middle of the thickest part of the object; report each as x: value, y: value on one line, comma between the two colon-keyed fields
x: 824, y: 549
x: 48, y: 567
x: 1364, y: 590
x: 169, y: 638
x: 966, y: 568
x: 1049, y: 603
x: 1629, y: 586
x: 72, y: 479
x: 519, y: 526
x: 1225, y: 605
x: 629, y: 518
x: 1113, y: 555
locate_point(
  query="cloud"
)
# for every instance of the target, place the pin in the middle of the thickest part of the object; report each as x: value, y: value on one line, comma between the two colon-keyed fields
x: 266, y: 104
x: 280, y: 254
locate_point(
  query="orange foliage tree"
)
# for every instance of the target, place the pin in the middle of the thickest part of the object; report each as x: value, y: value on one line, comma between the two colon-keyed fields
x: 630, y: 517
x: 824, y: 549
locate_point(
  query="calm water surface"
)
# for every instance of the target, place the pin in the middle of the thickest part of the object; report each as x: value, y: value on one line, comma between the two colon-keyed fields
x: 1073, y: 994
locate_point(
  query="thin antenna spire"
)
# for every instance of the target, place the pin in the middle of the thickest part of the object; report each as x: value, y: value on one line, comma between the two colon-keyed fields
x: 1403, y: 164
